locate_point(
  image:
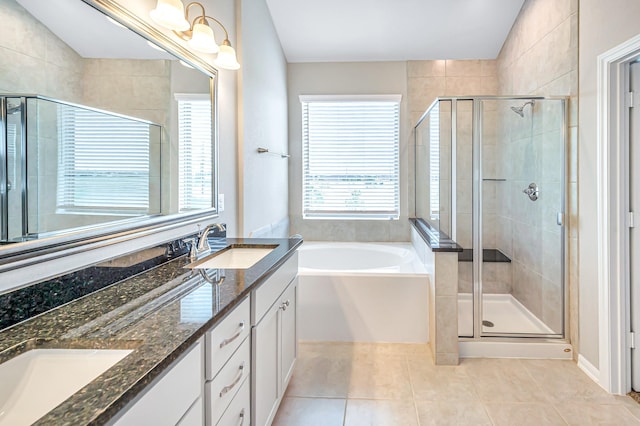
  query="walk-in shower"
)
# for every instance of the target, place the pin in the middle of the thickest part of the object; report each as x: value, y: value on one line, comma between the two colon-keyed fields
x: 495, y: 183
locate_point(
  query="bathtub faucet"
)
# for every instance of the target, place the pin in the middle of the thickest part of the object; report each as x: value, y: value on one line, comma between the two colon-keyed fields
x: 203, y: 246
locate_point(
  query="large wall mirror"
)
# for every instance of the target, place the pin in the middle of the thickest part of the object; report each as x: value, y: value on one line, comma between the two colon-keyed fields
x: 106, y: 124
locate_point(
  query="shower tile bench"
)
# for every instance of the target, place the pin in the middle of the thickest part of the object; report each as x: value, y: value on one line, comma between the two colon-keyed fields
x: 440, y: 256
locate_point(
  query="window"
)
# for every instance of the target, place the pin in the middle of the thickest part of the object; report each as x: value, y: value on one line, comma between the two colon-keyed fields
x: 195, y: 156
x: 351, y: 157
x: 103, y: 162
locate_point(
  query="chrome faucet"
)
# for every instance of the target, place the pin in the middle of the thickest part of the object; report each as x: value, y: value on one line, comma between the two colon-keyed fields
x: 203, y: 246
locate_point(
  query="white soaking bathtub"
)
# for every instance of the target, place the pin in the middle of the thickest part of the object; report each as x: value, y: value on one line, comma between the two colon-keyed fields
x: 362, y: 292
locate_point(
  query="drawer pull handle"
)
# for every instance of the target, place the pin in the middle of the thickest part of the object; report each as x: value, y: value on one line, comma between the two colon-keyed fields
x: 227, y: 388
x: 225, y: 342
x: 241, y: 417
x: 285, y: 305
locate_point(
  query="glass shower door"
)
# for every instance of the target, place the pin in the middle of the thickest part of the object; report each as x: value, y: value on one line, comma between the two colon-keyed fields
x: 520, y: 190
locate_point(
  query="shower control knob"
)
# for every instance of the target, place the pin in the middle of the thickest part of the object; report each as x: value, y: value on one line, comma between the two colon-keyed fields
x: 531, y: 191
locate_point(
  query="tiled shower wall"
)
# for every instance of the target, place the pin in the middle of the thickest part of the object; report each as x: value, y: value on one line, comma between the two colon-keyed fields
x: 540, y: 57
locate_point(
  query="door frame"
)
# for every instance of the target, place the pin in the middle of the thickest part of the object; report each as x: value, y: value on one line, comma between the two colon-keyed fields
x: 612, y: 231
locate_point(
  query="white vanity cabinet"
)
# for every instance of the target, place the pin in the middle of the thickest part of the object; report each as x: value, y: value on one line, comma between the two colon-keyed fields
x: 228, y: 367
x: 275, y: 340
x: 161, y: 404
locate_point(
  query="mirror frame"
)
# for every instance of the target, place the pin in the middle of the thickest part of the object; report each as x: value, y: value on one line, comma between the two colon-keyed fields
x: 18, y: 255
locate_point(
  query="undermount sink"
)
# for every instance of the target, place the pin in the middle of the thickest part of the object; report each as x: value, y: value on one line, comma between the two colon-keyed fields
x: 36, y: 381
x: 234, y: 257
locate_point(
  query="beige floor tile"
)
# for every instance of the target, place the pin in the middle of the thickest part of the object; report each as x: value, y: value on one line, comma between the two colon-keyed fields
x: 523, y: 414
x: 376, y: 376
x: 585, y: 414
x: 630, y: 404
x: 310, y: 412
x: 378, y: 351
x: 320, y: 376
x: 502, y: 380
x: 367, y: 412
x: 440, y: 383
x: 564, y: 381
x: 332, y: 349
x: 452, y: 413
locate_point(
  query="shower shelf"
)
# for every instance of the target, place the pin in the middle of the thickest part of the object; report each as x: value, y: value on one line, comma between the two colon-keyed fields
x: 488, y: 255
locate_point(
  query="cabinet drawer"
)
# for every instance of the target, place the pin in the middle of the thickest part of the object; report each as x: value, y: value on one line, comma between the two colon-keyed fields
x: 221, y: 390
x: 239, y: 411
x: 195, y: 415
x: 271, y: 289
x: 162, y: 404
x: 226, y: 337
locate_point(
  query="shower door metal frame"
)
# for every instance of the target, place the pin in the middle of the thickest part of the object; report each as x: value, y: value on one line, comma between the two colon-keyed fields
x: 477, y: 145
x: 4, y: 167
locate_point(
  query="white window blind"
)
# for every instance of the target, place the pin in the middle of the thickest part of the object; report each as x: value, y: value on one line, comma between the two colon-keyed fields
x: 195, y: 151
x: 351, y: 157
x: 103, y: 162
x: 434, y: 162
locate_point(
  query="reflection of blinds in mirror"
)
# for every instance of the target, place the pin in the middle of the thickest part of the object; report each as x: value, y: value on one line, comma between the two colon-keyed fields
x: 195, y: 158
x: 103, y: 163
x: 434, y: 162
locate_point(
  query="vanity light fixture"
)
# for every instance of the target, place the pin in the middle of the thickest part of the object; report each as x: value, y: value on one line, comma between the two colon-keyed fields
x: 172, y: 15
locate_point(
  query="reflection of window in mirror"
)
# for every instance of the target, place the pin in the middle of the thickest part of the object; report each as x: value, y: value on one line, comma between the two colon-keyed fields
x: 195, y: 157
x: 103, y: 162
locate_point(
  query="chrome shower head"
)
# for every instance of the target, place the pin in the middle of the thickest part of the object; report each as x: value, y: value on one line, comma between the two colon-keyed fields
x: 519, y: 110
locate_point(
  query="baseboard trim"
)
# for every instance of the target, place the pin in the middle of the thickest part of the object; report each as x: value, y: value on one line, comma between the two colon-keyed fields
x: 589, y: 369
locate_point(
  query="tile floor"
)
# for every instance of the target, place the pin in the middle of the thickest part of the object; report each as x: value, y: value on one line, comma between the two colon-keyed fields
x: 390, y: 384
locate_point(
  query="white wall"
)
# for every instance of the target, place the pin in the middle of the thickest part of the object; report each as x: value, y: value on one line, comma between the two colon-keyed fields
x: 262, y: 116
x: 346, y: 78
x: 603, y: 25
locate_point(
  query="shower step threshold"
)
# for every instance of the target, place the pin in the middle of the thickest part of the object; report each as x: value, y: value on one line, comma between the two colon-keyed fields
x: 524, y: 350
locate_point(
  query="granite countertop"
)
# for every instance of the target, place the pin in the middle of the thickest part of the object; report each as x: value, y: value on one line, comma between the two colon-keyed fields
x: 159, y: 314
x: 437, y: 240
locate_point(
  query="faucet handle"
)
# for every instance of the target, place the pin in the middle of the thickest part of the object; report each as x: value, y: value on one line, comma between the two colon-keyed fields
x: 193, y: 250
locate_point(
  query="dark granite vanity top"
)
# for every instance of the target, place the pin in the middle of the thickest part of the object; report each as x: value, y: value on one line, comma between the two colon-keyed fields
x: 158, y: 313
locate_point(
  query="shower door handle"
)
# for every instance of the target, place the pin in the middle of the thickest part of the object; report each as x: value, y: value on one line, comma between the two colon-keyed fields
x: 531, y: 191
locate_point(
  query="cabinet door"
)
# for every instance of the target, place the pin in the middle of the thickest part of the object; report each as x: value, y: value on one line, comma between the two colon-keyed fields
x: 289, y: 333
x: 169, y: 397
x: 265, y: 366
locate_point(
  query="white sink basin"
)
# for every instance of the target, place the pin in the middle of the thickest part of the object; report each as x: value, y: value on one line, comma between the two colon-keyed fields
x: 35, y: 382
x: 234, y: 258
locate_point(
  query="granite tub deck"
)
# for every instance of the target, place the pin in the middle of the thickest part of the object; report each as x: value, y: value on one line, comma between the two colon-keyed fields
x: 159, y: 314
